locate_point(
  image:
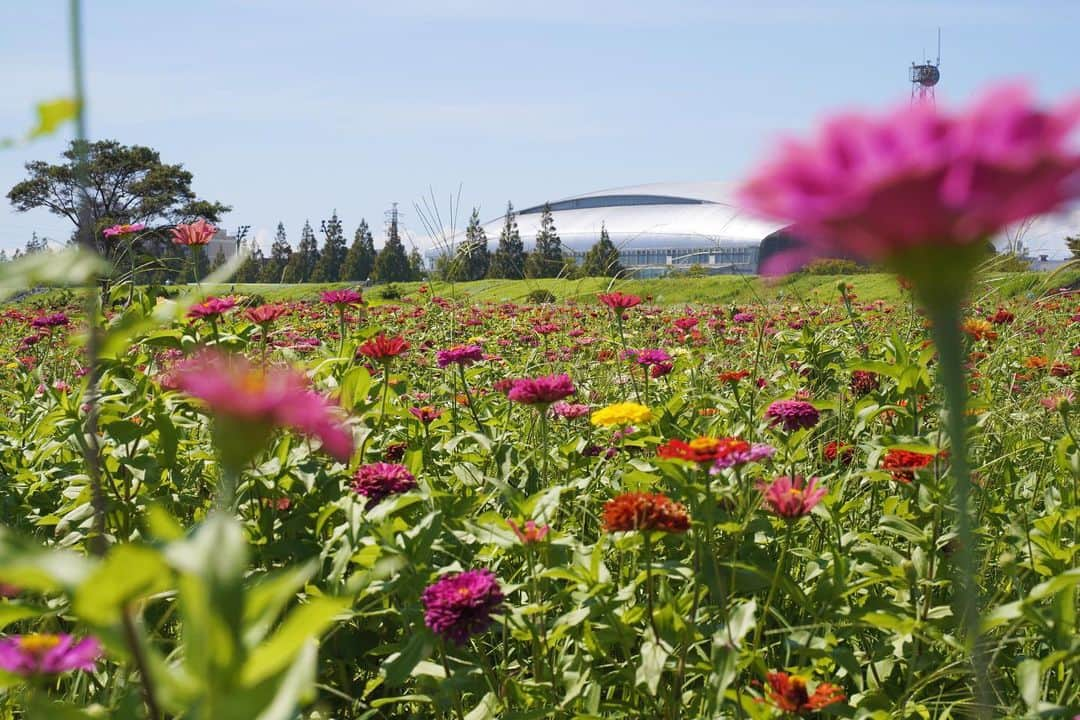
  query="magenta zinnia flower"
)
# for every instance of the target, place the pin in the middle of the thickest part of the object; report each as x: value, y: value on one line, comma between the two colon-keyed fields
x: 569, y: 411
x: 878, y: 188
x: 252, y: 401
x: 211, y: 309
x: 342, y: 298
x: 123, y: 229
x: 792, y: 414
x: 542, y: 390
x: 47, y: 654
x: 460, y: 605
x: 460, y: 355
x: 380, y: 480
x: 50, y: 321
x: 792, y: 498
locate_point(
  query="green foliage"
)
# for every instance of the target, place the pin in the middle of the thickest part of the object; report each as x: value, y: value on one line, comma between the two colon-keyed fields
x: 127, y: 184
x: 540, y: 297
x: 331, y: 260
x: 360, y: 260
x: 508, y: 261
x: 833, y: 266
x: 302, y: 263
x: 547, y: 259
x: 602, y: 259
x: 1073, y: 243
x: 392, y: 263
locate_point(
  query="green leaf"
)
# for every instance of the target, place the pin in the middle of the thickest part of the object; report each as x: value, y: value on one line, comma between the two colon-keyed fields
x: 302, y: 625
x: 128, y: 573
x: 399, y: 666
x: 653, y: 657
x: 296, y: 685
x: 71, y: 266
x: 13, y: 612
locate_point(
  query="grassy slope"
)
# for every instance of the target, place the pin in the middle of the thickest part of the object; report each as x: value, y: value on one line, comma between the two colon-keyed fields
x: 716, y: 289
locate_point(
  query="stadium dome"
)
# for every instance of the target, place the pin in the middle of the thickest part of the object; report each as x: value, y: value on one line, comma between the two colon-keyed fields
x: 656, y: 227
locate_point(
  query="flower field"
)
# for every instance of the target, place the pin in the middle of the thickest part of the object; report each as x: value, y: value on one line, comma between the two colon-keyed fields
x: 221, y: 507
x: 683, y: 512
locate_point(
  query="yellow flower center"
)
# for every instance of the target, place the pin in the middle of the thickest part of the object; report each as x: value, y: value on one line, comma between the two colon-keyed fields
x: 704, y: 444
x: 464, y: 592
x: 38, y: 643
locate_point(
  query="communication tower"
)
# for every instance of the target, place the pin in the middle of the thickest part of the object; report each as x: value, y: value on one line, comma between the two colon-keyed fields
x: 925, y: 76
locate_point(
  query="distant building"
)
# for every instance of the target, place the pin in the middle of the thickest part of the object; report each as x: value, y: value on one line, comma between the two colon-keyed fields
x: 223, y: 242
x: 656, y: 228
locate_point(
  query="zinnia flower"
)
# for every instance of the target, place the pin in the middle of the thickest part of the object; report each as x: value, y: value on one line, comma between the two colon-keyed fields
x: 47, y: 654
x: 529, y: 533
x: 902, y: 464
x: 426, y: 414
x: 792, y: 498
x: 123, y: 229
x: 892, y: 188
x: 196, y: 233
x: 645, y: 511
x: 251, y: 401
x: 569, y: 411
x: 50, y: 321
x: 619, y: 302
x: 380, y: 480
x: 790, y: 694
x: 627, y: 413
x: 382, y: 349
x: 342, y: 299
x: 460, y: 605
x: 211, y: 309
x: 542, y: 390
x: 265, y: 314
x: 792, y: 414
x: 1060, y: 401
x: 460, y: 355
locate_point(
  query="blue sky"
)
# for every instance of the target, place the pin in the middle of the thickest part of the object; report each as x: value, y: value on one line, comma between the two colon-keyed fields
x: 288, y: 110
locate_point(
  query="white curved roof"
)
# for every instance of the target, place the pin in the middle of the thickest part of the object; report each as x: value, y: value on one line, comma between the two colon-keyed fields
x: 659, y: 215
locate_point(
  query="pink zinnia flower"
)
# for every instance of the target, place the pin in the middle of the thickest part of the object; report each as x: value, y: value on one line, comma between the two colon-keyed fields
x: 426, y: 413
x: 380, y: 480
x: 122, y: 229
x: 792, y: 498
x: 569, y: 411
x: 879, y: 188
x: 460, y: 605
x: 460, y: 355
x: 50, y: 321
x: 530, y: 532
x: 265, y: 314
x: 196, y: 233
x: 252, y: 401
x: 1061, y: 400
x: 211, y: 308
x: 542, y: 390
x: 792, y: 414
x: 342, y: 298
x: 619, y: 302
x: 47, y: 654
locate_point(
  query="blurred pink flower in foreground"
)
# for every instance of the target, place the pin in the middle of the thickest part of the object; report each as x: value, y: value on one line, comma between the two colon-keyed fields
x: 253, y: 400
x: 875, y: 187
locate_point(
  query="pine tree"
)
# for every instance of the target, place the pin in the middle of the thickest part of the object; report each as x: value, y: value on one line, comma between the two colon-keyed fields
x: 392, y: 264
x: 280, y: 255
x: 509, y: 259
x: 547, y: 259
x: 1073, y: 243
x: 251, y: 269
x: 602, y: 259
x: 3, y: 256
x: 218, y: 260
x: 332, y: 260
x: 361, y: 256
x: 36, y: 244
x: 417, y: 270
x: 302, y: 264
x: 476, y: 258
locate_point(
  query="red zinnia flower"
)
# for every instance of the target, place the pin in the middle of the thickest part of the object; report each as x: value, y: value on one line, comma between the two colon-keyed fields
x: 645, y: 511
x: 902, y: 464
x: 382, y: 349
x: 789, y: 694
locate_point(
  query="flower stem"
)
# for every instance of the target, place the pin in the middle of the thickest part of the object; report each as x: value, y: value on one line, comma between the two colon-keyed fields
x: 773, y: 585
x: 950, y: 345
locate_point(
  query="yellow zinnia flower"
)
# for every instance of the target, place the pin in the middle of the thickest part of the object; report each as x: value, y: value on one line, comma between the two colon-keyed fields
x: 622, y: 414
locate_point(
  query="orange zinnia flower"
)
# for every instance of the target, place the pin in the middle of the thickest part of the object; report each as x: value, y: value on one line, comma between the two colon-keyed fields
x: 645, y: 511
